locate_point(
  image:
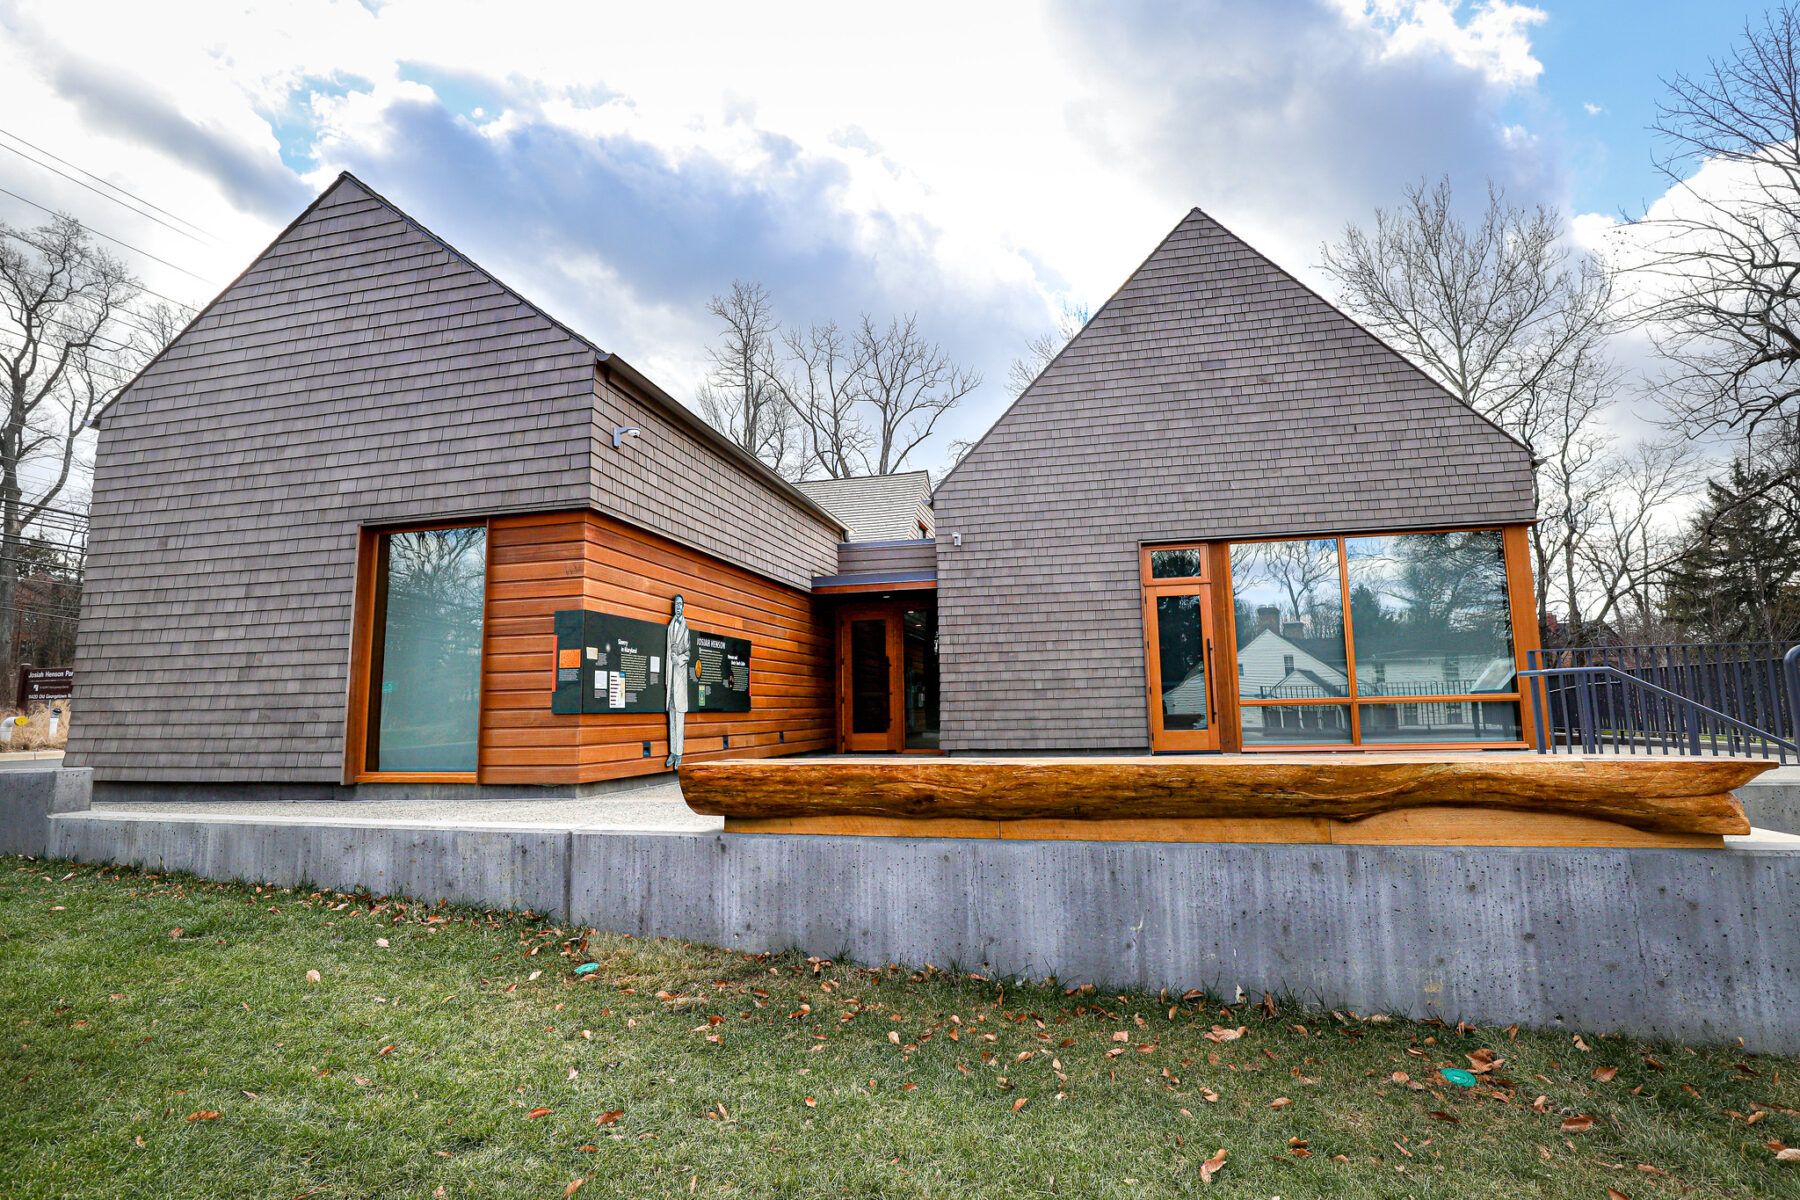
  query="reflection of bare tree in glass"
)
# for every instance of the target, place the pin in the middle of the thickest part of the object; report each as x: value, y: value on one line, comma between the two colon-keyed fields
x: 1305, y: 572
x: 431, y: 649
x: 1424, y: 607
x: 1450, y: 582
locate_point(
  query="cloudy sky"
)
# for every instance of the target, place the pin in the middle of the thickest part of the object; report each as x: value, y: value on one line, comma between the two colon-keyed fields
x: 981, y: 164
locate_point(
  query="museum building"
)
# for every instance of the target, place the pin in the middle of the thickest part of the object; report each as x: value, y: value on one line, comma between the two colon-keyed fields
x: 374, y: 518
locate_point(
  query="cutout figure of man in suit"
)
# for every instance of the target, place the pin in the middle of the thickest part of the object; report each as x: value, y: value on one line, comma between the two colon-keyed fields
x: 680, y: 655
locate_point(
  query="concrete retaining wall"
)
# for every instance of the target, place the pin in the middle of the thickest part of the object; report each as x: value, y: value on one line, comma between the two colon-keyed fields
x: 507, y: 868
x: 29, y: 796
x: 1772, y: 803
x: 1689, y: 944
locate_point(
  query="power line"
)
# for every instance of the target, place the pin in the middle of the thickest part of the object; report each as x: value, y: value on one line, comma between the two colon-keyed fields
x: 140, y: 287
x: 109, y: 237
x: 104, y: 196
x: 107, y: 182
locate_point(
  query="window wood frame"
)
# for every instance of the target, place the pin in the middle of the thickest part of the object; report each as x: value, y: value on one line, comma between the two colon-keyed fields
x: 1521, y: 611
x: 362, y: 654
x: 1203, y: 586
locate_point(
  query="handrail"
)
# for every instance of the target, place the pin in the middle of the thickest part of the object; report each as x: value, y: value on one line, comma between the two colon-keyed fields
x: 1591, y: 739
x: 1790, y: 673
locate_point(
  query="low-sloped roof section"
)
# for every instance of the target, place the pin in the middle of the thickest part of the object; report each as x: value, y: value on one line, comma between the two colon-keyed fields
x: 878, y: 508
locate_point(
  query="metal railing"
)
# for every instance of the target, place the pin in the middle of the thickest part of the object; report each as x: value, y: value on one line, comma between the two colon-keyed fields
x: 1743, y: 680
x: 1605, y: 708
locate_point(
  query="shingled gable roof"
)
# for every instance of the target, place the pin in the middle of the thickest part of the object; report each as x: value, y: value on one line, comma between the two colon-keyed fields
x: 667, y: 404
x: 1141, y: 324
x: 876, y: 508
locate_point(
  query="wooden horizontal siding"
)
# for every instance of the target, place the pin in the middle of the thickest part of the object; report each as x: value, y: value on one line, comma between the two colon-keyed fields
x: 541, y: 564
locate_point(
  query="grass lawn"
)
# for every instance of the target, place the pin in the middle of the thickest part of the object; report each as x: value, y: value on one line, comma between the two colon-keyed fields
x: 164, y: 1037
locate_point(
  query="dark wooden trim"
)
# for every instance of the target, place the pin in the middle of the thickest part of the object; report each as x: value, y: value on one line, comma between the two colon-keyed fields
x: 844, y: 589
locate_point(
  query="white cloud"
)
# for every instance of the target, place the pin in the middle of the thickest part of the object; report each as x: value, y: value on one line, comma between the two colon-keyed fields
x: 1494, y: 41
x: 983, y: 164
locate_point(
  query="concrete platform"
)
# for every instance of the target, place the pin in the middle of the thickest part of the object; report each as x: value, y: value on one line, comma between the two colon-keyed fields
x: 1690, y: 944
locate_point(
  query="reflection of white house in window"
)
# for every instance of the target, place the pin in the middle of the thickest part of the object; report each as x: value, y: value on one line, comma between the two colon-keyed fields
x: 1188, y: 697
x: 1273, y: 667
x: 1286, y: 664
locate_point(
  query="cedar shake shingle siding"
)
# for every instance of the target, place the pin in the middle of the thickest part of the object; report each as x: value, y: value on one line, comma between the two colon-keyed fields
x: 1212, y: 397
x: 360, y: 372
x: 914, y: 555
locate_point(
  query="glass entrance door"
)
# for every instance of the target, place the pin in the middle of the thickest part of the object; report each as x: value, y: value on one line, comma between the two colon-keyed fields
x: 1179, y: 658
x: 871, y: 709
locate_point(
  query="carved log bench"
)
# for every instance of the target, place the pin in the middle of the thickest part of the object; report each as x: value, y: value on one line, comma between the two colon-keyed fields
x: 1362, y: 799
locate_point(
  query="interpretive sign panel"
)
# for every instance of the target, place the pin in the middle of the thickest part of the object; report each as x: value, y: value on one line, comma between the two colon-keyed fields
x: 721, y: 673
x: 609, y: 663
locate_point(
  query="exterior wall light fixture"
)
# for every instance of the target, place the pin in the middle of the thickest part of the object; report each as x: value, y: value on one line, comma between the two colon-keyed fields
x: 621, y: 432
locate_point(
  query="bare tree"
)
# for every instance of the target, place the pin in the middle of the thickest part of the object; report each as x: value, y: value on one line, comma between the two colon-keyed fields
x: 1574, y: 465
x: 740, y: 395
x: 1723, y: 263
x: 1513, y: 323
x: 65, y: 350
x: 1488, y: 310
x: 823, y: 388
x: 1041, y: 350
x: 907, y: 384
x: 1299, y: 568
x: 1634, y: 538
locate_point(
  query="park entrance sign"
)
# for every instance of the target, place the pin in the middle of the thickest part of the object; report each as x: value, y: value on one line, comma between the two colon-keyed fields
x: 38, y: 685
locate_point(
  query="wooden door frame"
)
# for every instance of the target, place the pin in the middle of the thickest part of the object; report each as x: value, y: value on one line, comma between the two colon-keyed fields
x: 1203, y: 585
x: 892, y: 614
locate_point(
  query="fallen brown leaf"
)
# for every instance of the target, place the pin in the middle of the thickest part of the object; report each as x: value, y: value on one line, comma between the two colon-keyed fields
x: 1605, y: 1074
x: 206, y: 1114
x: 1021, y: 1102
x: 1440, y: 1115
x: 574, y: 1186
x: 312, y: 977
x: 609, y: 1116
x: 1577, y: 1124
x: 1280, y: 1102
x: 535, y: 1113
x: 1211, y: 1166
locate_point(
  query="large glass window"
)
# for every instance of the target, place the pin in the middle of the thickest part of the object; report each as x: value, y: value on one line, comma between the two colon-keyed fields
x: 1289, y: 609
x: 921, y: 634
x: 425, y: 662
x: 1429, y: 614
x: 1429, y: 631
x: 1297, y: 724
